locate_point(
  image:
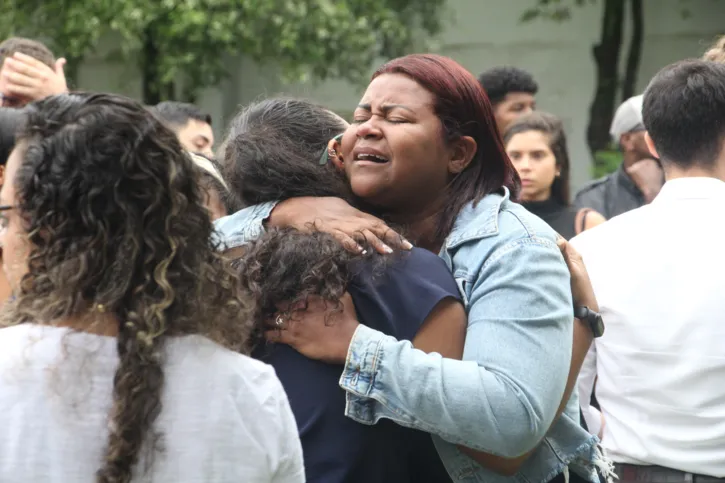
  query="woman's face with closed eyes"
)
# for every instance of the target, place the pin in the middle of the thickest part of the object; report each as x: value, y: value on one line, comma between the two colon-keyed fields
x: 394, y: 153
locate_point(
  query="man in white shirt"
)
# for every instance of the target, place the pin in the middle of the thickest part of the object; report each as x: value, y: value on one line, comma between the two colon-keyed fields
x: 659, y: 276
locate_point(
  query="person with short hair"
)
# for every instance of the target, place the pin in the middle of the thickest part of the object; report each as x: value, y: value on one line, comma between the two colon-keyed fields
x: 511, y: 91
x: 657, y: 272
x: 637, y: 180
x: 28, y: 72
x: 191, y: 125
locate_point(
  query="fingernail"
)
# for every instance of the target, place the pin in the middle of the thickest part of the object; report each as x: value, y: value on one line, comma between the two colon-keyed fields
x: 364, y: 252
x: 387, y: 249
x: 407, y: 245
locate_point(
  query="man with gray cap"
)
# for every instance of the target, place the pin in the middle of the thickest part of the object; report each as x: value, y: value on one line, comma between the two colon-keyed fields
x: 637, y: 181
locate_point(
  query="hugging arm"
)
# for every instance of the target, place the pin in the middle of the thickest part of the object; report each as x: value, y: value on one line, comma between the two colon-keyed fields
x: 517, y: 357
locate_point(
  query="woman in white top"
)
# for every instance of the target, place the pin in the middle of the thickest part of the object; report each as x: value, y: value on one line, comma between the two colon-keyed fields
x: 119, y: 353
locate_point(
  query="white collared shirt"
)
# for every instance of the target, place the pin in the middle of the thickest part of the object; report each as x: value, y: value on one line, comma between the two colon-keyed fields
x: 659, y: 276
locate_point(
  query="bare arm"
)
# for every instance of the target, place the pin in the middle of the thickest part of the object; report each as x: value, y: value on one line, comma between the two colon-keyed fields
x: 444, y: 330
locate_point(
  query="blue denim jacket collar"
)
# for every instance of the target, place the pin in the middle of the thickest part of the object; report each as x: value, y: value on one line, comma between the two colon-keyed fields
x: 486, y: 213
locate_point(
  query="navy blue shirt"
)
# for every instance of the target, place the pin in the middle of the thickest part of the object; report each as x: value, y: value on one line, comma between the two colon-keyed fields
x: 336, y: 448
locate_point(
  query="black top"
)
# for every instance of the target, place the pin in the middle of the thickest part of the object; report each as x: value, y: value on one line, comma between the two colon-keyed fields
x: 337, y: 449
x: 611, y: 196
x: 560, y: 217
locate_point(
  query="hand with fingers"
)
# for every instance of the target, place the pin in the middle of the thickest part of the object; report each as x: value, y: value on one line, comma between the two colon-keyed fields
x: 27, y: 78
x: 581, y: 286
x: 335, y: 216
x: 323, y: 331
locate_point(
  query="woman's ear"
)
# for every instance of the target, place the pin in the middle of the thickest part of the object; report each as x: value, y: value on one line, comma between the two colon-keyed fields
x: 462, y: 153
x: 334, y: 153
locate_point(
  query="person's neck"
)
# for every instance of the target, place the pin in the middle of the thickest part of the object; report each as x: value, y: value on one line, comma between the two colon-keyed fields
x: 95, y: 322
x: 537, y: 198
x: 421, y: 225
x: 630, y: 158
x: 717, y: 171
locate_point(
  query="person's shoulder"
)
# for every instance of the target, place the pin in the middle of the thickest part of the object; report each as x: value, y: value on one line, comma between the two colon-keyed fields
x: 252, y: 380
x: 592, y: 191
x: 617, y: 230
x: 17, y: 338
x: 419, y: 261
x: 496, y: 222
x: 594, y: 186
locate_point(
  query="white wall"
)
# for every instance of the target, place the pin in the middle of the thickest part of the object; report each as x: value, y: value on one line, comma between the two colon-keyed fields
x: 481, y: 34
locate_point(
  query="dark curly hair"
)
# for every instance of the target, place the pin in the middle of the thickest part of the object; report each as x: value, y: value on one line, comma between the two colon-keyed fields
x: 116, y: 224
x: 273, y: 153
x: 500, y: 81
x: 285, y: 266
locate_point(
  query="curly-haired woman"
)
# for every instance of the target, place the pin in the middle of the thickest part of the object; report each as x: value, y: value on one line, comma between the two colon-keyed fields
x: 119, y: 354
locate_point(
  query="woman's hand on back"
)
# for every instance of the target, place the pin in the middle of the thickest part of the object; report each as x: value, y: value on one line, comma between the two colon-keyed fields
x: 322, y: 332
x: 337, y: 217
x: 581, y: 286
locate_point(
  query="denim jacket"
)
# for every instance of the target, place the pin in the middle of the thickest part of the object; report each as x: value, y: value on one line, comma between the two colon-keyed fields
x: 502, y: 397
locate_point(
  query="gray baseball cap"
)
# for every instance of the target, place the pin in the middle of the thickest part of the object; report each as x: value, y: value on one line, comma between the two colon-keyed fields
x: 628, y: 118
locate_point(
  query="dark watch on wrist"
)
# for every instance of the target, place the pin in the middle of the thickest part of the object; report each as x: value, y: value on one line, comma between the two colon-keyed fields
x: 593, y: 319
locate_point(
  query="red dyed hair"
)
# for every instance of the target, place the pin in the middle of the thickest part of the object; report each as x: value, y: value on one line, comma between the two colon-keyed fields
x: 464, y: 110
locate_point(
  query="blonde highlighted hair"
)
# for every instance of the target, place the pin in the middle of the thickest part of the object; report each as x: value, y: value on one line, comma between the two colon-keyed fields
x: 716, y: 53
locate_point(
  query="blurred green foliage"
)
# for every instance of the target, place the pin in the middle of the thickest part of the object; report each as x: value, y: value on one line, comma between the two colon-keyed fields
x: 191, y: 41
x: 606, y: 162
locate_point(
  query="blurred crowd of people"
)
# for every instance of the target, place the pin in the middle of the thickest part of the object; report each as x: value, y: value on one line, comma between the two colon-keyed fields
x: 410, y: 295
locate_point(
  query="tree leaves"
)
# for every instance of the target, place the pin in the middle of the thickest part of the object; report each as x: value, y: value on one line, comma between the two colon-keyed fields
x: 194, y: 39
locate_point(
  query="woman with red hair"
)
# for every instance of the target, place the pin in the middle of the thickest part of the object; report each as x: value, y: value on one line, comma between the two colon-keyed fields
x: 423, y: 151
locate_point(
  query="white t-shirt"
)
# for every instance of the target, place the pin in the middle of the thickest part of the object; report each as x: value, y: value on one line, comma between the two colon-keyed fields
x: 224, y: 416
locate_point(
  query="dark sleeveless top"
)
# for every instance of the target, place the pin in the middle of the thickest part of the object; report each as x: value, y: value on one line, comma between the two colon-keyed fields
x: 560, y: 217
x: 338, y: 449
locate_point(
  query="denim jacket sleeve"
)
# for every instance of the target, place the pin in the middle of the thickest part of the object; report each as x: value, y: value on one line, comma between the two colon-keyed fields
x: 503, y: 396
x: 247, y: 224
